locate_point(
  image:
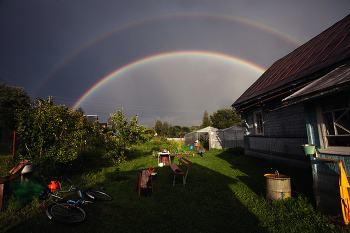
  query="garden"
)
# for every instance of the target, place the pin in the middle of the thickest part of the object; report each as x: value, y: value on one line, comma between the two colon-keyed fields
x: 224, y: 192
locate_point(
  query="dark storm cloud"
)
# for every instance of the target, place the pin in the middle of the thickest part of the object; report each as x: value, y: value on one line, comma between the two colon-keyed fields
x: 36, y: 36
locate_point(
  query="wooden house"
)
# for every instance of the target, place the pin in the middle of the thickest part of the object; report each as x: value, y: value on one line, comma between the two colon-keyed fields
x: 304, y: 98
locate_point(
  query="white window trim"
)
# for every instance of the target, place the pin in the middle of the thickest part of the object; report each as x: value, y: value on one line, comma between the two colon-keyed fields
x: 256, y: 125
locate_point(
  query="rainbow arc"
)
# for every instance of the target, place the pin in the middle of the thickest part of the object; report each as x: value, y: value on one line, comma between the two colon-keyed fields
x: 122, y: 69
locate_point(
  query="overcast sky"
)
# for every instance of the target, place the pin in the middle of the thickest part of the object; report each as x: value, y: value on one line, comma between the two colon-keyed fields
x: 165, y: 60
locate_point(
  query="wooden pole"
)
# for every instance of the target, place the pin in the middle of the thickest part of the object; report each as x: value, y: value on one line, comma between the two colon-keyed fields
x: 14, y: 144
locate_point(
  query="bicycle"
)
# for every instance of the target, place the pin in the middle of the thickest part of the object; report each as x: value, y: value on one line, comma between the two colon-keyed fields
x: 68, y: 211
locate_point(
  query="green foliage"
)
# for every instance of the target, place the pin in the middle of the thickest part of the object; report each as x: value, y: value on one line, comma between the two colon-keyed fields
x: 206, y: 120
x: 174, y: 131
x: 225, y: 118
x: 166, y: 130
x: 12, y: 99
x: 185, y: 130
x: 50, y: 135
x: 204, y: 142
x: 159, y: 127
x: 127, y: 134
x: 155, y: 145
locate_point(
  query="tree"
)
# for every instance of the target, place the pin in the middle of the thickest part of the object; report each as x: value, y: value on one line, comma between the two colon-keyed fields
x: 12, y: 100
x: 225, y: 118
x: 49, y: 135
x: 194, y: 128
x: 184, y: 130
x: 174, y: 131
x: 206, y: 120
x: 165, y: 128
x: 127, y: 134
x: 159, y: 127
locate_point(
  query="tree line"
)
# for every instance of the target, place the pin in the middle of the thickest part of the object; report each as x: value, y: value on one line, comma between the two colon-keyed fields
x: 60, y: 140
x: 221, y: 119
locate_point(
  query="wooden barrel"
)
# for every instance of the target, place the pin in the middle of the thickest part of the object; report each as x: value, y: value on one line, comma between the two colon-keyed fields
x: 277, y: 188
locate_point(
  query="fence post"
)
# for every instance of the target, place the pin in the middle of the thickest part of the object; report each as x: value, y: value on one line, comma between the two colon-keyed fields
x: 14, y: 144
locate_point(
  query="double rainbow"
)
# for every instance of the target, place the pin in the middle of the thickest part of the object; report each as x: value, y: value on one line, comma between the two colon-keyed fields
x: 215, y: 16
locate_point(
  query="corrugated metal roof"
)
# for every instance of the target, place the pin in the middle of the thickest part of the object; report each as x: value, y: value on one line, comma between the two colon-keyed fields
x: 339, y: 77
x: 326, y: 49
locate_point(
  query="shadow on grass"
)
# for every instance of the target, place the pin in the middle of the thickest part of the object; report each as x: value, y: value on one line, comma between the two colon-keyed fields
x: 255, y: 169
x: 205, y: 204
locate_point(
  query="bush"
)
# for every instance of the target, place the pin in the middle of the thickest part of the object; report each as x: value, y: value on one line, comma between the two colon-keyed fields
x: 155, y: 145
x: 51, y: 136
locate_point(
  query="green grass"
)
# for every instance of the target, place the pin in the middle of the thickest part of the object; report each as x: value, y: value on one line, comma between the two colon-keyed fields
x: 224, y: 193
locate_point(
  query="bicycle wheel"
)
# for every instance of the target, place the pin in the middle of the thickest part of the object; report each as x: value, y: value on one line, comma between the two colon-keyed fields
x: 98, y: 195
x: 65, y: 213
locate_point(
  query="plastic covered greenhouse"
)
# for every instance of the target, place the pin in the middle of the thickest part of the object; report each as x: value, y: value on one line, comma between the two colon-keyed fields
x: 218, y: 138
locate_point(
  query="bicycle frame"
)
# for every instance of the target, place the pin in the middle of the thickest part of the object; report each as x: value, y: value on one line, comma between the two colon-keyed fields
x: 81, y: 199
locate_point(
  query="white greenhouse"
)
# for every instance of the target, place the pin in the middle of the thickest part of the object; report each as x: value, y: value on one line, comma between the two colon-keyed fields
x: 218, y: 138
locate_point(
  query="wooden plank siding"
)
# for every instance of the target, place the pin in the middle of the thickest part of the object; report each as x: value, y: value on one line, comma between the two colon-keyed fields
x: 325, y: 174
x: 284, y: 131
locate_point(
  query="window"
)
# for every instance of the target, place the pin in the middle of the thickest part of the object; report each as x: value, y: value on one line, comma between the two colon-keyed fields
x: 258, y: 123
x: 336, y: 120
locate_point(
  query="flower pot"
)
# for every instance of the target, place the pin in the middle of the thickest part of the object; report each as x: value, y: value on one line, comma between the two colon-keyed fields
x: 308, y: 149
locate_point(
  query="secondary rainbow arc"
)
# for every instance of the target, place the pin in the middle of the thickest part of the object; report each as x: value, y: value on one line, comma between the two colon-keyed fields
x: 265, y: 27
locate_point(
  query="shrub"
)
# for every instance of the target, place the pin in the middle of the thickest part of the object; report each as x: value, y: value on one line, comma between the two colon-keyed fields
x: 51, y: 136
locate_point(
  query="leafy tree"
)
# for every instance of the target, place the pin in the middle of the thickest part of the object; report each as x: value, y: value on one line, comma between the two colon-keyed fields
x: 147, y: 133
x: 165, y: 128
x: 174, y: 131
x: 194, y: 128
x: 127, y: 134
x: 149, y: 130
x: 49, y: 135
x: 225, y: 118
x: 12, y: 99
x: 184, y: 130
x: 206, y: 120
x: 159, y: 127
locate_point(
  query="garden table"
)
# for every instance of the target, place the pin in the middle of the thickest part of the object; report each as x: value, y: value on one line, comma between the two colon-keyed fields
x: 163, y: 155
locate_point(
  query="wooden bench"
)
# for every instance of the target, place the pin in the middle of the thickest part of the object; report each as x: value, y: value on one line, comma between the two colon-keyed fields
x: 5, y: 182
x: 178, y: 171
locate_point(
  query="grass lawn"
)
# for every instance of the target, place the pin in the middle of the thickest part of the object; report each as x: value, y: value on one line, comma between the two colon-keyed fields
x: 224, y: 193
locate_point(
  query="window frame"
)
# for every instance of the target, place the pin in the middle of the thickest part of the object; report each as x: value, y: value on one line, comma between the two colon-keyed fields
x: 323, y: 128
x: 256, y: 123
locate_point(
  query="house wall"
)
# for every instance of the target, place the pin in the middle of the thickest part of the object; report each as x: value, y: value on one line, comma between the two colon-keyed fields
x: 325, y: 174
x: 284, y: 131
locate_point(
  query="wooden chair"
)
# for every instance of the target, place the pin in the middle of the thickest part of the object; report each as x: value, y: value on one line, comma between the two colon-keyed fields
x: 144, y: 181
